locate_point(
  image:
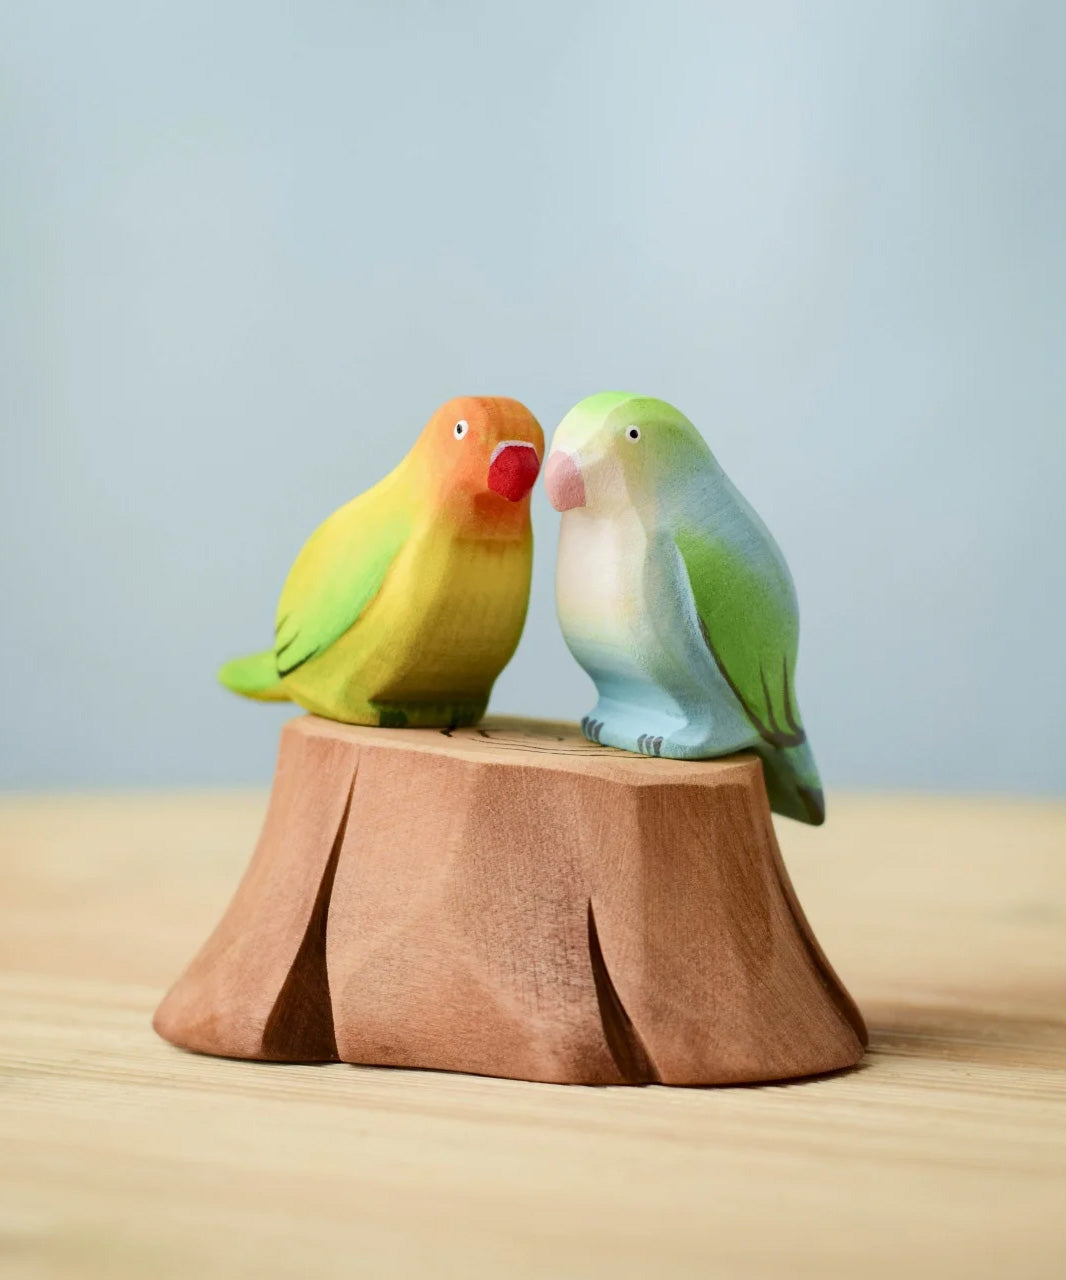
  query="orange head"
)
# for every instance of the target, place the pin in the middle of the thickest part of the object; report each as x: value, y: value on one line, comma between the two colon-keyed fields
x: 482, y: 455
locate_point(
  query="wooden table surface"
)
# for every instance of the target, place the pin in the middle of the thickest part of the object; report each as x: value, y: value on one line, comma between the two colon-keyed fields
x: 943, y: 1154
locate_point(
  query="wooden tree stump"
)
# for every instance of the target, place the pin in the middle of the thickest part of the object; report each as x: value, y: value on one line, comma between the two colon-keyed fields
x: 512, y: 900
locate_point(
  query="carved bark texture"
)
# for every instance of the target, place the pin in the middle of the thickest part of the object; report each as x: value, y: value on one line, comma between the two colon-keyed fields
x: 512, y: 900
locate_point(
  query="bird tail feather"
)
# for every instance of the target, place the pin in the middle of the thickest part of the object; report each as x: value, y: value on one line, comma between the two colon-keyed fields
x: 255, y: 677
x: 792, y: 783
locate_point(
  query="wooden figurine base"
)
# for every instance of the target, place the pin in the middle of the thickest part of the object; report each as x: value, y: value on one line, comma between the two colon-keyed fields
x: 512, y: 900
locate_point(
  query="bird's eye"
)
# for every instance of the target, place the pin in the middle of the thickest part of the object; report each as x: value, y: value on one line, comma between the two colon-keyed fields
x: 633, y: 433
x: 461, y: 428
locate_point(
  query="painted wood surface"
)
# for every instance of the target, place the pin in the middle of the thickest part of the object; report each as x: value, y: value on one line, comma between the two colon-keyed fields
x: 512, y: 900
x: 675, y: 598
x: 405, y: 605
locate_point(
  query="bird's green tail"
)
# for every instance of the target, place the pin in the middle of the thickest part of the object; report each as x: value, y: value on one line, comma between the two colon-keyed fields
x: 255, y: 677
x: 792, y: 783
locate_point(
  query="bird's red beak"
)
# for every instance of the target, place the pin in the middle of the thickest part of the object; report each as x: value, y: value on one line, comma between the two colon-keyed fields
x: 513, y: 468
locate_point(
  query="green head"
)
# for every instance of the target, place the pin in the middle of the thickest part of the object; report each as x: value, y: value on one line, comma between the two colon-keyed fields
x: 616, y: 450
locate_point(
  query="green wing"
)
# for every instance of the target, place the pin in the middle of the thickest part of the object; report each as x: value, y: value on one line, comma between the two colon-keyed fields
x: 337, y: 574
x: 747, y: 612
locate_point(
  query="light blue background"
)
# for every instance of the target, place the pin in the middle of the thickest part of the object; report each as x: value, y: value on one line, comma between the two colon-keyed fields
x: 247, y: 248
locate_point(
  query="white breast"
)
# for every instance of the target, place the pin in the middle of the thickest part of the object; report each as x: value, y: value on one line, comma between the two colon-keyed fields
x: 599, y: 578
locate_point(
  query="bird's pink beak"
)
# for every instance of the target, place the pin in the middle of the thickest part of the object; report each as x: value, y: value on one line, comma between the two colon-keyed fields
x: 513, y: 468
x: 563, y: 480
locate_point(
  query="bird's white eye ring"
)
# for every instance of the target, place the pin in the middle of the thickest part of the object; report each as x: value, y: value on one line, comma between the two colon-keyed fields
x: 633, y: 433
x: 461, y: 428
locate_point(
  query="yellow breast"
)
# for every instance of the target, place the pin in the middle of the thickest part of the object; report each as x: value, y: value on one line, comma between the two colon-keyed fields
x: 429, y: 647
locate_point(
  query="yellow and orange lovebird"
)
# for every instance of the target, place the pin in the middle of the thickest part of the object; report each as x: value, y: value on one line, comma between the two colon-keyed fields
x: 406, y: 604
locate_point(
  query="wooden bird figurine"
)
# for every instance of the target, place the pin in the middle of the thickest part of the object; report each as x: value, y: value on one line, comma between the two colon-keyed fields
x: 674, y: 597
x: 405, y: 605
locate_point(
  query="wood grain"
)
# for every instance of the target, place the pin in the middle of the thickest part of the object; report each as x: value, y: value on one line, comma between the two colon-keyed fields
x: 943, y: 1154
x: 245, y: 993
x: 513, y: 901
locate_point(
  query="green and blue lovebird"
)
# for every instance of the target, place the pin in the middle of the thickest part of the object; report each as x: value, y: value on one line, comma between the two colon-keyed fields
x: 674, y: 597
